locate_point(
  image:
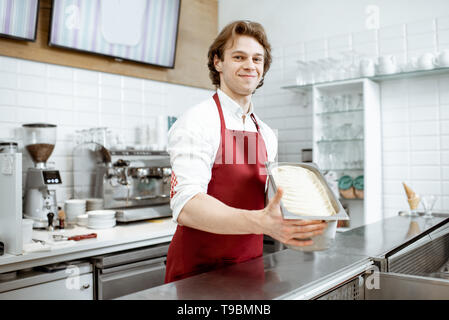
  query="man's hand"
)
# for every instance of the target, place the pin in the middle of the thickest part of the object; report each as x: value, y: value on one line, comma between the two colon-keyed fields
x: 292, y: 232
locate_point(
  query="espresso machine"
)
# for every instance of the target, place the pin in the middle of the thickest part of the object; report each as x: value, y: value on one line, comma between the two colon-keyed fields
x: 40, y: 195
x: 134, y: 183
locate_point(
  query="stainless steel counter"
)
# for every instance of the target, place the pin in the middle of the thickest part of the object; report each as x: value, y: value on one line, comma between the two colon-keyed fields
x: 293, y: 274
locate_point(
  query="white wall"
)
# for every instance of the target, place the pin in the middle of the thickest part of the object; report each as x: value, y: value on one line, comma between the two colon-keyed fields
x: 415, y: 112
x: 305, y: 20
x: 75, y: 99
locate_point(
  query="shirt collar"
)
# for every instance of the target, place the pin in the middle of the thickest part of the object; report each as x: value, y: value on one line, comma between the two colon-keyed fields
x: 227, y: 102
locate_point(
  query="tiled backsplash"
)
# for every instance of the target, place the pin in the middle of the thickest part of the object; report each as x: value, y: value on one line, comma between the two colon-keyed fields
x: 77, y: 99
x: 415, y: 117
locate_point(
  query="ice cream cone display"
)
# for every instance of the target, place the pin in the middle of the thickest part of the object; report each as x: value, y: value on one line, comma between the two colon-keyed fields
x: 414, y: 203
x: 412, y: 198
x: 410, y: 193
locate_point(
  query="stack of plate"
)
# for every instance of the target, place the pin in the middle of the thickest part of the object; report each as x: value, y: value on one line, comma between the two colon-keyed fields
x: 82, y: 220
x: 73, y: 209
x: 94, y: 204
x: 101, y: 219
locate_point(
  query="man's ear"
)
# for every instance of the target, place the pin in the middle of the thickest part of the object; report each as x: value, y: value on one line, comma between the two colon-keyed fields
x: 218, y: 63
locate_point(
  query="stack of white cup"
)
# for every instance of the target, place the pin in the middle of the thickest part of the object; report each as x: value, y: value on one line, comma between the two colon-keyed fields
x: 73, y: 209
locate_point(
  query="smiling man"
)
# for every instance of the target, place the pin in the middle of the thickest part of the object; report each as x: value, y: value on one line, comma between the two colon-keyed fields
x: 217, y: 151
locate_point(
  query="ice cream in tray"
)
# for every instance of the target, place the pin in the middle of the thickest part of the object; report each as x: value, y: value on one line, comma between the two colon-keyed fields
x: 306, y: 192
x: 306, y: 196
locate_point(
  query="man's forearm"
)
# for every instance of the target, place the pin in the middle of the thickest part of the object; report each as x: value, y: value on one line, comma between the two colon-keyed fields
x: 206, y: 213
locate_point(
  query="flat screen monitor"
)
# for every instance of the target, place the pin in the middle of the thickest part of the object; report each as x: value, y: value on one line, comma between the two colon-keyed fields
x: 137, y: 30
x: 18, y: 19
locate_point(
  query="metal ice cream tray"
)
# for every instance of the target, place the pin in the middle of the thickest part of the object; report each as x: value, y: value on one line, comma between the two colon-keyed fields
x: 341, y: 213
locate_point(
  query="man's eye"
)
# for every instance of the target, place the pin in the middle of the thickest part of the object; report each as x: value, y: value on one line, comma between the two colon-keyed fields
x: 238, y: 57
x: 258, y: 59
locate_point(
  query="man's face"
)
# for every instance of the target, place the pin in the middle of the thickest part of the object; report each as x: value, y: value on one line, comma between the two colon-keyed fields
x: 242, y: 67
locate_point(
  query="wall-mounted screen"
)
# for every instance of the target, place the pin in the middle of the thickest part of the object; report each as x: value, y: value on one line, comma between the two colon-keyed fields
x: 137, y: 30
x: 18, y: 19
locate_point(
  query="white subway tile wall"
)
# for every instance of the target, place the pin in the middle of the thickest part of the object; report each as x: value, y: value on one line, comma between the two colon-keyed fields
x: 76, y: 99
x: 415, y: 112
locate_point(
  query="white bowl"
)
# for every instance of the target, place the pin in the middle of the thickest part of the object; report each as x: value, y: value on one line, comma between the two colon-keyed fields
x: 72, y: 214
x: 101, y: 225
x: 102, y: 214
x: 81, y: 220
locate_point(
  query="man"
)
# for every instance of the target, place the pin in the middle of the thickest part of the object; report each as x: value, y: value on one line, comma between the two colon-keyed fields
x: 217, y: 151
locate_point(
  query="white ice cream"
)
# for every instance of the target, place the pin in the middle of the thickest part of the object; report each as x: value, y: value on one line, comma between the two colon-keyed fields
x: 304, y: 193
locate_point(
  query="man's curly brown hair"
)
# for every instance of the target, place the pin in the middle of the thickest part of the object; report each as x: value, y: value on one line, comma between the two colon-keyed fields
x: 241, y: 27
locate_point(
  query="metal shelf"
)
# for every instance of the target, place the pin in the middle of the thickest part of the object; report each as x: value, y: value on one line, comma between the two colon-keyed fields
x: 339, y: 112
x: 346, y: 169
x: 380, y: 77
x: 338, y: 140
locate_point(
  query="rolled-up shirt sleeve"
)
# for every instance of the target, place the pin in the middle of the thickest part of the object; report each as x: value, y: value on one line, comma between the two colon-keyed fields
x: 192, y: 152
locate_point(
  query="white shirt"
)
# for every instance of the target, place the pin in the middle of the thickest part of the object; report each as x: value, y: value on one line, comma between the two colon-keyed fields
x: 193, y: 142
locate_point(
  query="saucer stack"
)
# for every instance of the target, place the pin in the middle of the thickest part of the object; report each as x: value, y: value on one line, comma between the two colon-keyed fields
x: 101, y: 219
x: 82, y: 220
x: 94, y: 204
x: 73, y: 209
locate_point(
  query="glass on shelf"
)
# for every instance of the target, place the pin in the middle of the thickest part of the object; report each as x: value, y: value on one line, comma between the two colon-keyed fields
x: 360, y: 101
x: 341, y: 156
x: 345, y: 102
x: 339, y: 74
x: 301, y: 73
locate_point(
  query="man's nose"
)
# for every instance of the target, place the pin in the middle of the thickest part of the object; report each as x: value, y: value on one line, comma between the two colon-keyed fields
x: 249, y: 64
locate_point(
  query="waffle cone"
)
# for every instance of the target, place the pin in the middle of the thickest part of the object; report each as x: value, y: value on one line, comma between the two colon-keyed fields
x: 410, y: 193
x: 414, y: 202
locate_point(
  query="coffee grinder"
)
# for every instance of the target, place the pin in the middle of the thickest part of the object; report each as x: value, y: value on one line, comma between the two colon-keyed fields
x: 40, y: 198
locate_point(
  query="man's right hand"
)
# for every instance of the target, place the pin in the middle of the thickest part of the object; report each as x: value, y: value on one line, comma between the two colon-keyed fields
x: 291, y: 232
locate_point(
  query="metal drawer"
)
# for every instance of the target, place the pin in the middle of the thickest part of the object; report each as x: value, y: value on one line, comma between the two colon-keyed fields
x: 126, y: 279
x: 129, y: 256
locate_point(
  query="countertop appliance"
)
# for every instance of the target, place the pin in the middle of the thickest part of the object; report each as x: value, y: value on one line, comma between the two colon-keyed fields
x: 40, y: 197
x: 122, y: 273
x: 11, y: 202
x: 134, y: 183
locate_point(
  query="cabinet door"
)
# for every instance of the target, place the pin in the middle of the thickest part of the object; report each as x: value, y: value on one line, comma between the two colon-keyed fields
x: 71, y: 288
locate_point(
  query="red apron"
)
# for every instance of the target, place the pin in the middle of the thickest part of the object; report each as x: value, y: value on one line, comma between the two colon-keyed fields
x: 238, y: 180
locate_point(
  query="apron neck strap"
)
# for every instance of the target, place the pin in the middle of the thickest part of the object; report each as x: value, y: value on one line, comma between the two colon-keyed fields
x: 220, y: 112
